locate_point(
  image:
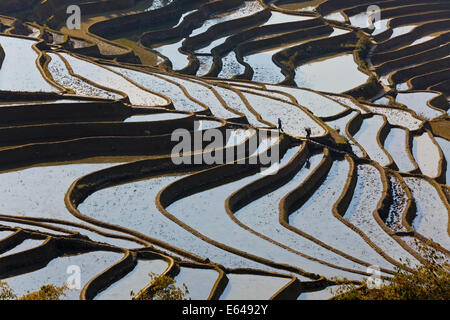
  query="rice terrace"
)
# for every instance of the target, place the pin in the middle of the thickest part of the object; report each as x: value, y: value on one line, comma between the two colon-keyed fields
x: 223, y: 149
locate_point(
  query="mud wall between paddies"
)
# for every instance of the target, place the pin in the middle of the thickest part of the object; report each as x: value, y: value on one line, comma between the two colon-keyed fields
x: 55, y: 12
x: 131, y: 22
x: 408, y: 14
x: 109, y: 146
x: 93, y: 182
x: 403, y: 75
x: 14, y: 96
x: 21, y: 114
x: 46, y: 9
x: 292, y: 57
x: 241, y: 37
x: 443, y: 87
x: 333, y: 5
x: 64, y: 131
x: 8, y: 6
x: 246, y: 35
x: 439, y: 102
x: 380, y: 57
x: 267, y: 184
x: 416, y: 33
x: 215, y: 176
x: 94, y: 51
x: 391, y: 8
x: 248, y: 48
x: 53, y: 247
x: 306, y: 29
x: 425, y: 56
x: 316, y: 31
x: 109, y: 276
x: 124, y: 267
x: 221, y: 29
x: 189, y: 23
x: 367, y: 90
x: 158, y: 17
x: 361, y: 5
x: 423, y: 82
x: 423, y: 18
x: 2, y: 55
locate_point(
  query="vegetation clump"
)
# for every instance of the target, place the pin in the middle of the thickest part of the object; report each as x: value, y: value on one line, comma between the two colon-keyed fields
x: 162, y: 288
x: 47, y: 292
x: 362, y: 49
x: 427, y: 281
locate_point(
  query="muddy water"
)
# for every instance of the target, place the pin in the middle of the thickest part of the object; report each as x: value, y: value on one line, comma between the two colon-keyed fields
x: 265, y: 70
x: 335, y: 16
x: 319, y: 105
x: 23, y: 192
x: 294, y: 120
x: 262, y: 215
x: 365, y: 200
x: 162, y: 86
x: 315, y: 217
x: 427, y: 154
x: 254, y: 287
x: 326, y: 74
x: 109, y: 79
x: 55, y: 273
x: 199, y: 282
x: 396, y: 145
x: 206, y: 63
x: 133, y: 206
x: 210, y: 218
x: 431, y: 218
x: 249, y: 8
x: 61, y: 75
x: 417, y: 101
x: 156, y: 117
x: 19, y: 71
x: 134, y: 281
x: 402, y: 30
x: 230, y: 66
x: 445, y: 147
x: 397, y: 117
x: 24, y: 246
x: 367, y: 138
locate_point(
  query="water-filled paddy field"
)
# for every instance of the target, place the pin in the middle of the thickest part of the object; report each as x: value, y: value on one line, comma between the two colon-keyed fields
x: 352, y: 123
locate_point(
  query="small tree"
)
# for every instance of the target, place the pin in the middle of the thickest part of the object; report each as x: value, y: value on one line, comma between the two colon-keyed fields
x: 163, y: 288
x: 47, y: 292
x: 6, y: 293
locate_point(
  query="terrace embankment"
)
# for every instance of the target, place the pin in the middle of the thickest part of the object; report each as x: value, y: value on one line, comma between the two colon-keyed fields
x: 2, y: 56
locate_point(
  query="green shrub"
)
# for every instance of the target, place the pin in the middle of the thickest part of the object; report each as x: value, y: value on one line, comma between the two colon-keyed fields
x: 362, y: 50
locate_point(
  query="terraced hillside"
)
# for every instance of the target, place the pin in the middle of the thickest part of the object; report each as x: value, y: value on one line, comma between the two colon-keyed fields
x: 88, y: 175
